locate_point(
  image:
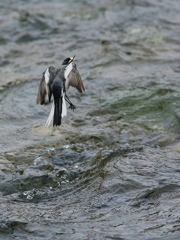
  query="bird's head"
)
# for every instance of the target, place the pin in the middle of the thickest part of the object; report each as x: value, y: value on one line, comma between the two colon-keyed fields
x: 68, y: 60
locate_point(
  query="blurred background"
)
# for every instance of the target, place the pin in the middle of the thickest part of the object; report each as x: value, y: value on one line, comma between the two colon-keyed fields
x: 111, y: 170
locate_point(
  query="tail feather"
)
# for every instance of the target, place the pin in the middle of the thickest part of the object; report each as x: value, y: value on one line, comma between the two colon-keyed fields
x: 57, y: 112
x: 64, y: 108
x: 51, y: 114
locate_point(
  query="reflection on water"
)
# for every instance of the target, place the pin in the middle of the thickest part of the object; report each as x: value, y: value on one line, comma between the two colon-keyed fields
x: 111, y: 170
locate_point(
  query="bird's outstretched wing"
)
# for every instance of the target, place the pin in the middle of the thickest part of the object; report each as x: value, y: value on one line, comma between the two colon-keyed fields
x: 45, y: 92
x: 73, y: 78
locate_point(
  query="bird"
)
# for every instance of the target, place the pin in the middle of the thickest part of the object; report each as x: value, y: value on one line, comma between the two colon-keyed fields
x: 56, y: 82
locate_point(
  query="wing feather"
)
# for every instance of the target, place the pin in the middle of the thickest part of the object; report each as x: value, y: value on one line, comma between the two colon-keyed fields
x: 45, y: 92
x: 74, y: 79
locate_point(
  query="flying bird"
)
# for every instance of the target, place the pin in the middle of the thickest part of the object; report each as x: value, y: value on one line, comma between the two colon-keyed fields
x: 56, y: 82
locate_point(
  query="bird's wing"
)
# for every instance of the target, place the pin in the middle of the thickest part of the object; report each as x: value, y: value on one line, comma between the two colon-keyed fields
x: 74, y: 79
x: 45, y: 92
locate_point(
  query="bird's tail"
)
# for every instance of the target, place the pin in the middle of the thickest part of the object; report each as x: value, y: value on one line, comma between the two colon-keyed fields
x: 48, y: 122
x: 58, y: 110
x: 64, y: 108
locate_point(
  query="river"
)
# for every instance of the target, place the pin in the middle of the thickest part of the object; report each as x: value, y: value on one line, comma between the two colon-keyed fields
x: 112, y: 169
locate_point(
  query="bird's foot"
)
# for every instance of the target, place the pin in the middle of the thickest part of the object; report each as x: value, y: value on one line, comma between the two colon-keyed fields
x: 72, y: 107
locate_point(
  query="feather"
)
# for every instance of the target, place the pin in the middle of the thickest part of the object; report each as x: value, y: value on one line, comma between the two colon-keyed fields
x: 57, y: 111
x: 73, y: 79
x: 46, y: 78
x: 68, y: 69
x: 45, y: 92
x: 64, y: 108
x: 51, y: 114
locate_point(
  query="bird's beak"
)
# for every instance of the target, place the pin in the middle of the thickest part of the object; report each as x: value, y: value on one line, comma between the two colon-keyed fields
x: 74, y: 60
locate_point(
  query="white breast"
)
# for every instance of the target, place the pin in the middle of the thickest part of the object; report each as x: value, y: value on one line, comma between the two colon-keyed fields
x: 68, y: 70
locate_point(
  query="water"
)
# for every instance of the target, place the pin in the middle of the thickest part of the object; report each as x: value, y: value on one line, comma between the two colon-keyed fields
x: 111, y: 171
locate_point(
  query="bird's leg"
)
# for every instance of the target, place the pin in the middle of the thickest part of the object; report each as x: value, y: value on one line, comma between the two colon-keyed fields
x: 70, y: 103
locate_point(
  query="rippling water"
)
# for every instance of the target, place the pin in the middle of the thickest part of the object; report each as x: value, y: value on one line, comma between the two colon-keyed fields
x: 111, y: 171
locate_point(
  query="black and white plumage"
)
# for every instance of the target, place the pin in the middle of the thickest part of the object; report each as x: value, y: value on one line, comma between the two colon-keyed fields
x: 56, y: 82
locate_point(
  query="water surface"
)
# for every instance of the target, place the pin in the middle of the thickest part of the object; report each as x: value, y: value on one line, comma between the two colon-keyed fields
x: 111, y: 171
